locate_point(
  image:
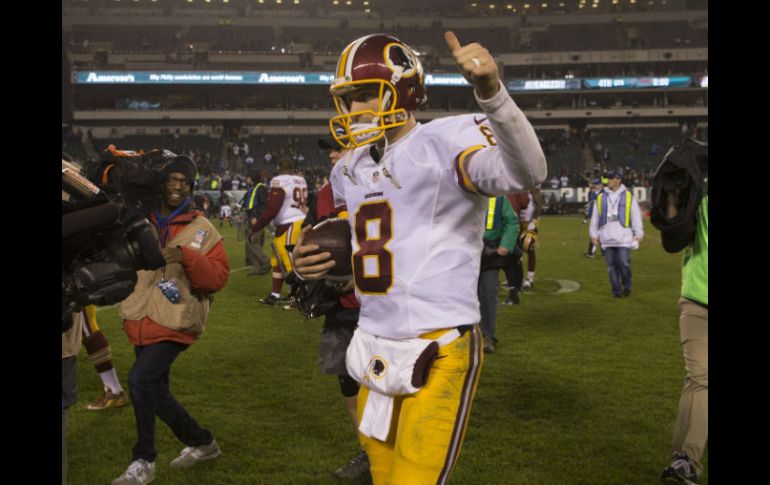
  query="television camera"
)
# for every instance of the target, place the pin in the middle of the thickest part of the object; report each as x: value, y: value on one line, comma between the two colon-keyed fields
x: 106, y: 236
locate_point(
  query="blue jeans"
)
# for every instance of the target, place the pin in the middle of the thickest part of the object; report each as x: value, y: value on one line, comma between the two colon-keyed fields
x: 619, y: 268
x: 150, y: 396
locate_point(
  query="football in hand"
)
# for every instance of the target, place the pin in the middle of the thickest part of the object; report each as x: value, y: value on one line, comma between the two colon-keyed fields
x: 333, y: 236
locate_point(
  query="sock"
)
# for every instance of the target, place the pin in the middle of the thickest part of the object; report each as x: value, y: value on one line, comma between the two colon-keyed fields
x: 110, y: 379
x: 531, y: 276
x: 277, y: 283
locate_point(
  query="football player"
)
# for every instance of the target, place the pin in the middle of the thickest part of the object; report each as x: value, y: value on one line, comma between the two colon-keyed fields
x: 286, y: 207
x: 417, y: 196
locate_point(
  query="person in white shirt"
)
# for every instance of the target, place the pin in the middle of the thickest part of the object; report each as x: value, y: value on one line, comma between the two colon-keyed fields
x: 616, y: 224
x: 417, y: 195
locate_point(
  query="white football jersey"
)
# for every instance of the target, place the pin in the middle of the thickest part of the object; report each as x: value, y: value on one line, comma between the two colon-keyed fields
x: 527, y: 214
x: 294, y: 200
x: 416, y: 249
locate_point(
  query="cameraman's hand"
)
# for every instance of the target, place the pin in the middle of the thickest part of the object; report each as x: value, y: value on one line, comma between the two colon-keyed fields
x: 172, y: 254
x: 306, y: 262
x: 502, y: 251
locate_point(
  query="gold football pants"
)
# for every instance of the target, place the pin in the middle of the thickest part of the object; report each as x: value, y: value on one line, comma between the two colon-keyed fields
x: 280, y: 259
x: 428, y: 427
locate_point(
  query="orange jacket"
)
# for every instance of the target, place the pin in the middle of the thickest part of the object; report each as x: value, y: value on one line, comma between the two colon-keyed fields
x: 207, y: 273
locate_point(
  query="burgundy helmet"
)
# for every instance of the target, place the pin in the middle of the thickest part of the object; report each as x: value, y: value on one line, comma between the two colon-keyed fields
x: 382, y: 61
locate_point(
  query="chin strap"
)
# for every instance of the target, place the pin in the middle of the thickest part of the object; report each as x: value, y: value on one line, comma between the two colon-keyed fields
x: 385, y: 171
x: 348, y: 172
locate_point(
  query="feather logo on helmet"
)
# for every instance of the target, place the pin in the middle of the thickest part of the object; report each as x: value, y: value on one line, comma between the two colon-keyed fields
x: 383, y: 65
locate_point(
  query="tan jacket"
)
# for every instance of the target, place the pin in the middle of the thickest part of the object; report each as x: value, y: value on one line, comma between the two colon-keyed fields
x: 190, y: 313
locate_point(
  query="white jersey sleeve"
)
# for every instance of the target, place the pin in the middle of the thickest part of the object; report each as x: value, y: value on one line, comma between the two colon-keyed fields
x: 509, y: 159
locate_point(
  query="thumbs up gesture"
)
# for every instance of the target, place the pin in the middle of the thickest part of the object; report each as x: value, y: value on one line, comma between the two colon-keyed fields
x: 476, y: 64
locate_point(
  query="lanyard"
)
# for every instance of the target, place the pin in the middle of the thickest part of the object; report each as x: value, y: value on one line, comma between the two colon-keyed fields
x: 163, y: 222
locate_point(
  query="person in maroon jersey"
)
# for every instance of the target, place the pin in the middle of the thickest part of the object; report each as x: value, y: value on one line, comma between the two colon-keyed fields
x: 339, y: 324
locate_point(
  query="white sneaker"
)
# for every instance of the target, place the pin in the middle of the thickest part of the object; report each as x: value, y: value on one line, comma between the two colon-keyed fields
x: 193, y: 454
x: 526, y: 285
x: 139, y: 472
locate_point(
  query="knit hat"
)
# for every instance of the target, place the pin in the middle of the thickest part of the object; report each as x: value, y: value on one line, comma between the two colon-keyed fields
x: 181, y: 164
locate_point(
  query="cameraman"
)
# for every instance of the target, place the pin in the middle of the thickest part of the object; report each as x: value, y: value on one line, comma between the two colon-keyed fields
x: 165, y: 314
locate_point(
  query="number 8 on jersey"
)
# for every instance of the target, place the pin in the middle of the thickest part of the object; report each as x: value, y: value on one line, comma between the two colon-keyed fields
x: 373, y: 262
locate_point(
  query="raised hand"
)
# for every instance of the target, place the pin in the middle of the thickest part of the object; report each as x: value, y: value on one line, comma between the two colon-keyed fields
x: 476, y: 64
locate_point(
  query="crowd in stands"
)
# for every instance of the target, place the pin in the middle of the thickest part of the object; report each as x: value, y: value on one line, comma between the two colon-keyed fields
x: 575, y: 155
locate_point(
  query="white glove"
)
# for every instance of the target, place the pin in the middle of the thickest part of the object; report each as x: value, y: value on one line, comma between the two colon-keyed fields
x: 532, y: 226
x: 635, y: 244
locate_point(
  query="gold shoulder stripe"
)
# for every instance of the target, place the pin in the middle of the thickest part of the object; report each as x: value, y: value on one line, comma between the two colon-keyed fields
x: 463, y: 179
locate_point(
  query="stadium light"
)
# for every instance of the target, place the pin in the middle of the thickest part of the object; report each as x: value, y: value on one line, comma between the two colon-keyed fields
x: 261, y: 1
x: 348, y: 2
x: 279, y: 2
x: 336, y: 2
x: 509, y: 6
x: 366, y: 2
x: 474, y: 5
x: 368, y: 10
x: 296, y: 2
x: 491, y: 5
x: 526, y: 5
x: 544, y: 5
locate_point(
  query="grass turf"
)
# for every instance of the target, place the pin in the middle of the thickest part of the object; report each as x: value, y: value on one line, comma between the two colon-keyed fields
x: 583, y: 389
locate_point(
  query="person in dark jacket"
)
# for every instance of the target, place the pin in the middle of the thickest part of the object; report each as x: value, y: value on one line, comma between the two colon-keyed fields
x: 500, y: 236
x: 254, y: 203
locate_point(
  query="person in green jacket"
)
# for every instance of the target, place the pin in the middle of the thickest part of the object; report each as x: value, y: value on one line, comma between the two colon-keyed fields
x: 502, y: 230
x: 691, y: 428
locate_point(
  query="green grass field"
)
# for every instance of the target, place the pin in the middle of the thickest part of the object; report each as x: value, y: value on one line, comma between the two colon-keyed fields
x: 583, y: 389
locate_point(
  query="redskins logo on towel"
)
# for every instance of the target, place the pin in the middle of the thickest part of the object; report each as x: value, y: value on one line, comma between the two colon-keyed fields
x: 377, y: 367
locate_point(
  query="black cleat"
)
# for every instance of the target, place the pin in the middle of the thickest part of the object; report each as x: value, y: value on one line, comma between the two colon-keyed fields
x: 681, y: 470
x: 626, y: 292
x: 270, y: 300
x: 513, y: 298
x: 356, y: 468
